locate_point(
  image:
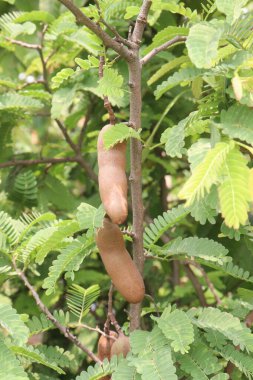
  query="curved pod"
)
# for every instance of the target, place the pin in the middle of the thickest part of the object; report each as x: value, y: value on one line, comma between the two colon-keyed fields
x: 118, y: 263
x: 121, y: 346
x: 112, y: 178
x: 105, y: 345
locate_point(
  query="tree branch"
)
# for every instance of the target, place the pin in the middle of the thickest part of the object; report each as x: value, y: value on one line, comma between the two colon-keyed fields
x: 134, y: 68
x: 196, y: 284
x: 64, y: 330
x: 119, y: 38
x: 164, y: 46
x: 44, y: 161
x: 141, y: 22
x: 109, y: 42
x: 207, y: 279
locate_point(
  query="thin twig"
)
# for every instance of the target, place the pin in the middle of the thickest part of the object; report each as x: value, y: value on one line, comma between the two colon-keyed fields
x: 196, y: 284
x: 164, y: 46
x: 64, y: 330
x: 110, y: 315
x: 44, y: 161
x: 109, y: 42
x: 39, y: 81
x: 66, y: 135
x: 107, y: 103
x: 96, y: 329
x: 207, y: 279
x: 24, y: 44
x: 44, y: 71
x: 119, y: 38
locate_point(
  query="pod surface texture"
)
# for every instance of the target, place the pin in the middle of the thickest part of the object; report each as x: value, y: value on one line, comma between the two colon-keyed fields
x: 112, y: 178
x: 118, y: 263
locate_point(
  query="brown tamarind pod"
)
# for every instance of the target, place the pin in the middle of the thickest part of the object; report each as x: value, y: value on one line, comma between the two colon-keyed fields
x: 121, y: 346
x: 105, y: 345
x: 118, y: 263
x: 112, y: 178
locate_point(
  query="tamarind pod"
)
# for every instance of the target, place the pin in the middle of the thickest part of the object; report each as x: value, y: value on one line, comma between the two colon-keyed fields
x: 112, y: 178
x: 118, y: 263
x: 104, y: 349
x: 121, y: 346
x: 105, y: 345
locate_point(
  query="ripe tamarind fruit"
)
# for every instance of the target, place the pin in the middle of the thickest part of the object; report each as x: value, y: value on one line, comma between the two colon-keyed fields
x: 118, y: 263
x: 105, y: 345
x: 104, y: 348
x: 121, y: 346
x: 112, y: 178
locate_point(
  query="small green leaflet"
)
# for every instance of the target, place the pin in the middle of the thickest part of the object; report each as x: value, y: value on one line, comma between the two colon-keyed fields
x: 39, y: 16
x: 206, y: 173
x: 12, y: 322
x: 61, y: 76
x: 177, y: 327
x: 111, y: 83
x: 202, y: 44
x: 236, y: 122
x: 131, y: 11
x: 234, y: 192
x: 118, y: 133
x: 231, y: 8
x: 90, y: 217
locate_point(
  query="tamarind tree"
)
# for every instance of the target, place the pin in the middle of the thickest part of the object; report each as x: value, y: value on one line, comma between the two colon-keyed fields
x: 175, y: 82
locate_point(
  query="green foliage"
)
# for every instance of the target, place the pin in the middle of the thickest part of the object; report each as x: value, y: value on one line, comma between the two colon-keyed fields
x: 42, y: 324
x: 206, y: 173
x: 236, y: 123
x: 61, y: 76
x: 196, y: 132
x: 167, y: 67
x: 233, y: 329
x: 69, y: 261
x: 90, y: 217
x: 64, y: 229
x: 202, y: 248
x: 118, y: 133
x: 166, y: 34
x: 37, y: 16
x: 12, y: 323
x: 162, y: 224
x: 177, y: 327
x: 35, y: 356
x: 79, y: 300
x: 202, y: 44
x: 183, y: 75
x: 232, y: 9
x: 11, y: 367
x: 234, y: 190
x: 111, y: 84
x: 24, y: 188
